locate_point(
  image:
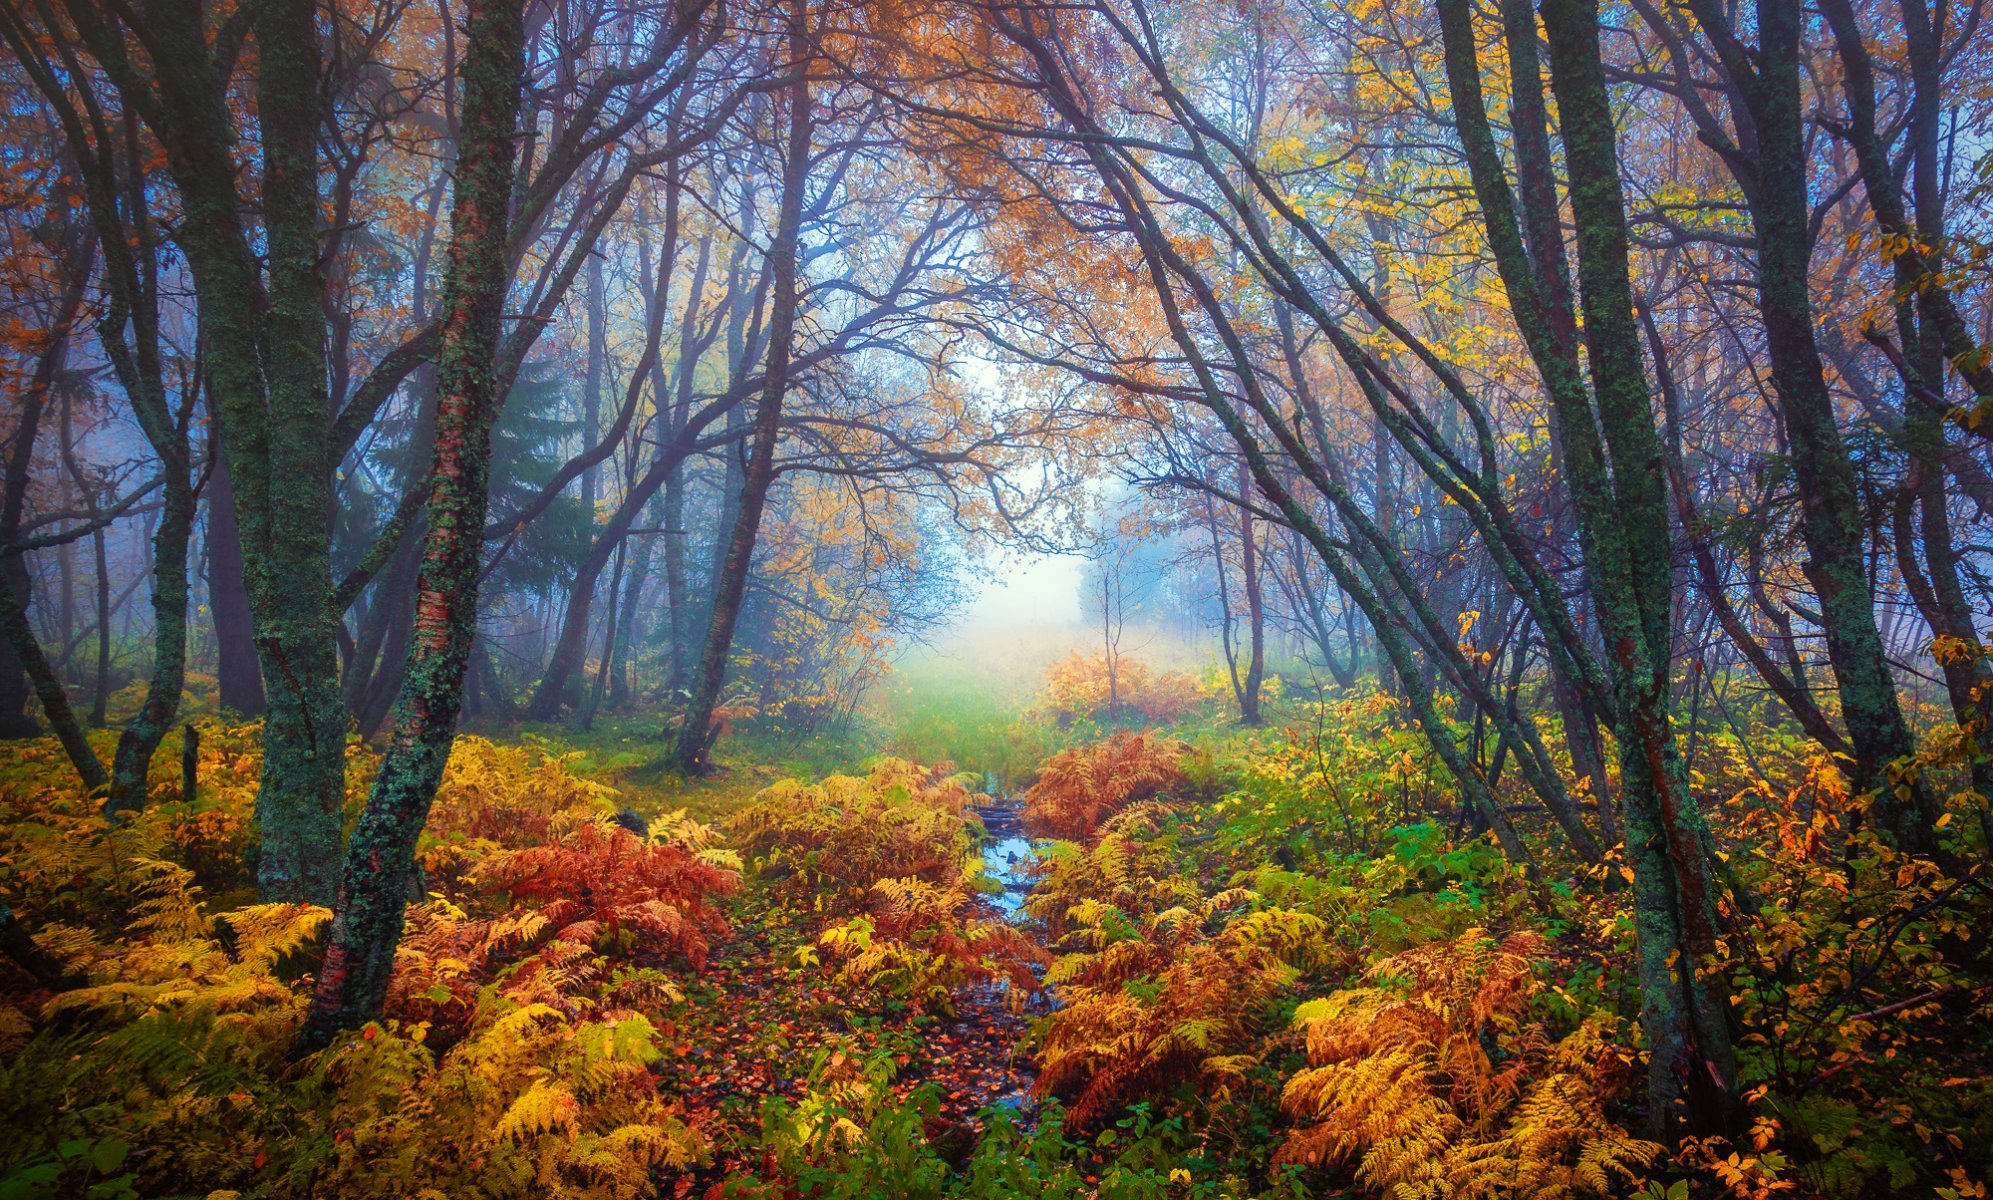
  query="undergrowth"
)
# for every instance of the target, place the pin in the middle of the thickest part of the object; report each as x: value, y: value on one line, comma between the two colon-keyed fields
x: 1260, y: 962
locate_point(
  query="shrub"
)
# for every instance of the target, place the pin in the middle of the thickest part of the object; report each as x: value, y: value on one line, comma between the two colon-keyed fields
x: 825, y: 845
x: 169, y: 1073
x: 1082, y: 787
x: 850, y: 1138
x: 1095, y: 688
x: 1428, y: 1081
x: 497, y: 797
x: 587, y: 920
x: 923, y: 943
x: 515, y: 1057
x: 1152, y: 1004
x: 1137, y: 877
x: 603, y: 885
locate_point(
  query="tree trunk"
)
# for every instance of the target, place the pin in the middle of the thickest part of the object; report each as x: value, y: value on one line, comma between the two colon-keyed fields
x: 237, y: 674
x: 571, y: 646
x: 16, y: 684
x: 606, y: 663
x: 626, y: 627
x: 1623, y: 519
x: 591, y: 390
x: 1831, y: 520
x: 276, y: 408
x: 141, y: 737
x: 359, y: 956
x: 758, y: 475
x: 100, y: 699
x: 678, y: 603
x: 55, y: 701
x: 1255, y: 608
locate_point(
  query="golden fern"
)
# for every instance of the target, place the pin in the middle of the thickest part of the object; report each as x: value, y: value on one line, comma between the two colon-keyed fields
x: 1427, y: 1082
x: 1148, y: 1004
x: 922, y: 944
x: 826, y: 844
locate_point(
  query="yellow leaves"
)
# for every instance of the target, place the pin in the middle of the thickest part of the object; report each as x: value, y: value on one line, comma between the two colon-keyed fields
x: 542, y: 1108
x: 1149, y: 1003
x: 265, y: 933
x: 1402, y: 1085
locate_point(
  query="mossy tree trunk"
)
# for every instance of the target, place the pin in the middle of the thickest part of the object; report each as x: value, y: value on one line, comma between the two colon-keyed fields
x: 262, y: 332
x: 359, y: 956
x: 238, y: 677
x: 1613, y: 462
x: 1771, y: 167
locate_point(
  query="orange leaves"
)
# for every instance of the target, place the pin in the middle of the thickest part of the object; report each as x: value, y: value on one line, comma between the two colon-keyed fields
x: 1082, y: 787
x: 602, y: 881
x: 1152, y: 1002
x: 1103, y: 689
x: 923, y: 944
x: 1429, y: 1076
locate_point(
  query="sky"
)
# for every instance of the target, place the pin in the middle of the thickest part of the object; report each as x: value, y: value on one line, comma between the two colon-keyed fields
x: 1016, y: 589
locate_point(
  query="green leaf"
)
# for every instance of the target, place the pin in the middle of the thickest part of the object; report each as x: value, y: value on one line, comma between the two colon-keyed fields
x: 107, y: 1155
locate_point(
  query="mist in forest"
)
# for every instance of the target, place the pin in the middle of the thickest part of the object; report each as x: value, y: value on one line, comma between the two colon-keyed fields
x: 971, y: 599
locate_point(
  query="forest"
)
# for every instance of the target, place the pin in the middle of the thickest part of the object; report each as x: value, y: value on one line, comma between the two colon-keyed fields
x: 1125, y: 599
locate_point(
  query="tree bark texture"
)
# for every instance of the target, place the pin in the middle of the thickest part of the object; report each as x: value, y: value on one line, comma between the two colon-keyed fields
x: 359, y: 957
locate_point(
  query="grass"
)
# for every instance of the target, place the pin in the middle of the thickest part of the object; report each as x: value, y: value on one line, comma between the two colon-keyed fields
x: 941, y: 710
x: 975, y: 705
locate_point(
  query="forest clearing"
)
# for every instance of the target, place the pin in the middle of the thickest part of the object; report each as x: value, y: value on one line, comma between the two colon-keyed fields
x: 1124, y: 599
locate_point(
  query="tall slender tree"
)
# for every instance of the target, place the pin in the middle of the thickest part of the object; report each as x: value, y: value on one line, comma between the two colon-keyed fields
x: 359, y: 953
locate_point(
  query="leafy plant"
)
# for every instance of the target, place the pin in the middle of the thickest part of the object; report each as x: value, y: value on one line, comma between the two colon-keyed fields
x: 922, y: 944
x: 825, y: 845
x: 1080, y: 788
x: 1095, y: 688
x: 1430, y: 1081
x: 603, y: 885
x: 1150, y: 1004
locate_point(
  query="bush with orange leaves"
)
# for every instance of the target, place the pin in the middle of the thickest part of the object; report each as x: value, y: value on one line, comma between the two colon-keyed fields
x: 1152, y: 1002
x: 604, y: 885
x: 497, y: 797
x: 583, y: 922
x: 1082, y: 787
x: 1430, y: 1080
x: 1098, y: 688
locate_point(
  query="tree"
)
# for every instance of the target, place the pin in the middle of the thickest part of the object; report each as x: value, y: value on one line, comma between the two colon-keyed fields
x: 366, y: 927
x: 1770, y: 165
x: 695, y: 735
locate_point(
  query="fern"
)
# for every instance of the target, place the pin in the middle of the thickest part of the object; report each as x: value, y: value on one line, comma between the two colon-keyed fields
x: 1151, y: 1004
x: 922, y: 944
x: 603, y: 882
x: 1428, y: 1082
x: 1082, y: 787
x: 824, y: 845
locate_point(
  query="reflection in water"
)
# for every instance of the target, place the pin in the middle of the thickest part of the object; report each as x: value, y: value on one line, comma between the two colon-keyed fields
x: 1008, y: 856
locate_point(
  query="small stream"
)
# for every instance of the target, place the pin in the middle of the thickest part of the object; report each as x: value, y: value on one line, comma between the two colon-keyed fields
x: 1009, y: 854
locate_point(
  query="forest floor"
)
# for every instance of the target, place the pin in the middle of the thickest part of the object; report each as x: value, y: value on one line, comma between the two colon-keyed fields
x: 813, y: 981
x: 761, y: 1019
x: 762, y: 1016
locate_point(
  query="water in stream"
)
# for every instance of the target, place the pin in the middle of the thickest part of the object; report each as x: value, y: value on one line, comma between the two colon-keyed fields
x: 1008, y: 856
